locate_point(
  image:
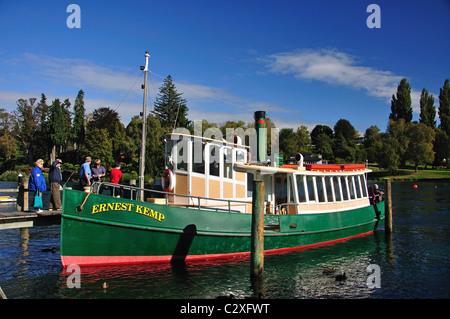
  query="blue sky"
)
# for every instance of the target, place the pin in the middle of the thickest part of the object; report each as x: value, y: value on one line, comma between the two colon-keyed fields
x: 303, y: 62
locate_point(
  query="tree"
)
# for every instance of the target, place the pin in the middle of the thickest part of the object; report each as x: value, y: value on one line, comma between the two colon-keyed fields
x: 420, y: 151
x: 108, y: 119
x: 303, y: 140
x: 79, y: 121
x: 8, y: 145
x: 170, y: 108
x: 26, y: 120
x: 343, y: 150
x: 98, y: 145
x: 319, y: 129
x: 441, y: 148
x: 346, y: 129
x: 387, y: 155
x: 427, y: 109
x: 401, y: 105
x: 444, y: 107
x: 287, y: 144
x: 372, y: 141
x: 58, y: 124
x: 154, y: 161
x: 398, y: 131
x: 323, y: 146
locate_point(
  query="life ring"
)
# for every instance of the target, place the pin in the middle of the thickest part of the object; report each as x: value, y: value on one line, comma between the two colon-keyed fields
x: 167, y: 181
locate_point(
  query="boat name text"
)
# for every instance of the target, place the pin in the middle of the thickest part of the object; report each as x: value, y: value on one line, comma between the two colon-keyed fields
x: 100, y: 208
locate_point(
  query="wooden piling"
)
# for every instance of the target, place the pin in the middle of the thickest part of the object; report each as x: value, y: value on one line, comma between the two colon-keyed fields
x: 257, y: 239
x: 387, y: 206
x: 22, y: 196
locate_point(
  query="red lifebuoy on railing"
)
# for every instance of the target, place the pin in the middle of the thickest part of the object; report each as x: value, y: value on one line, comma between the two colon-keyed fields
x: 167, y: 181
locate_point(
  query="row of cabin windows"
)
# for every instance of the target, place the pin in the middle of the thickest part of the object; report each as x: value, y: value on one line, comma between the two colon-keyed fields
x: 199, y: 152
x: 330, y: 188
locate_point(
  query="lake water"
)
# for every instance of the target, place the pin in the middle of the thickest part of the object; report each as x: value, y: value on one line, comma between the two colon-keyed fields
x: 414, y: 263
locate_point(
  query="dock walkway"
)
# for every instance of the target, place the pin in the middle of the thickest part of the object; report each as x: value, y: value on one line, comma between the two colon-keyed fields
x: 16, y: 219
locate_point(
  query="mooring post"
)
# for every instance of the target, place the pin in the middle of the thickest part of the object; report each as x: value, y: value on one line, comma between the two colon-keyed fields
x: 257, y: 240
x: 22, y: 195
x: 387, y: 206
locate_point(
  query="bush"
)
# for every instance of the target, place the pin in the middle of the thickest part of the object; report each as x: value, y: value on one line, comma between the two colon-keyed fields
x: 11, y: 176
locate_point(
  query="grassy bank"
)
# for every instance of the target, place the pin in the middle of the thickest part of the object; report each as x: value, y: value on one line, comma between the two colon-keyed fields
x: 410, y: 175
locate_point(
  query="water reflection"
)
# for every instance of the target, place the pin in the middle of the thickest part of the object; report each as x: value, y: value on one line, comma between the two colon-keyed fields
x: 295, y: 275
x: 414, y: 263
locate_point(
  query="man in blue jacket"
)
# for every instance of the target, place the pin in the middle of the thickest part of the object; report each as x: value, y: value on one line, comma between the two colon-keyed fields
x: 85, y: 173
x: 37, y: 183
x: 55, y: 178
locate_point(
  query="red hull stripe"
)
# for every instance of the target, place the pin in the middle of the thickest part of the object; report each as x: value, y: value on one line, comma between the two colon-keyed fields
x: 116, y: 260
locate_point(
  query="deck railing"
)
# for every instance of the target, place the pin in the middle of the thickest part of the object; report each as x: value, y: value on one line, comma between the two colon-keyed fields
x: 192, y: 201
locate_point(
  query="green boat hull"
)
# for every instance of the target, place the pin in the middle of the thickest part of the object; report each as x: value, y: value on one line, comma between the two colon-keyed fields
x: 101, y: 230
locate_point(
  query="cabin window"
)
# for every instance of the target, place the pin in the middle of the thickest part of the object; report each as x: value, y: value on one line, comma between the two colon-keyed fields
x: 301, y: 189
x: 214, y: 160
x: 240, y: 156
x: 310, y: 187
x: 337, y: 188
x: 181, y: 155
x: 169, y: 155
x: 228, y: 163
x: 358, y: 187
x: 198, y: 160
x: 364, y: 185
x: 291, y: 194
x: 329, y: 188
x: 351, y: 185
x: 344, y: 187
x: 320, y: 189
x: 249, y: 184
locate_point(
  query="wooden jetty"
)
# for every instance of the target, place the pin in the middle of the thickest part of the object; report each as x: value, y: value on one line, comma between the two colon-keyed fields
x: 16, y: 219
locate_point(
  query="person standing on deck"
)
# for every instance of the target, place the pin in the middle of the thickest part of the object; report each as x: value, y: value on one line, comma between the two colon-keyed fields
x: 115, y: 177
x: 85, y: 173
x: 55, y: 179
x: 37, y: 184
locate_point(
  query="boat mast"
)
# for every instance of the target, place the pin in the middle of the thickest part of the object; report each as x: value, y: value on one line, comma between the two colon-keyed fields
x: 144, y: 131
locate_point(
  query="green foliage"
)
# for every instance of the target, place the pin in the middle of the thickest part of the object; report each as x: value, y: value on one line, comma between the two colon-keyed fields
x: 444, y: 107
x: 401, y: 105
x: 170, y: 108
x: 34, y: 129
x: 98, y: 145
x: 427, y: 109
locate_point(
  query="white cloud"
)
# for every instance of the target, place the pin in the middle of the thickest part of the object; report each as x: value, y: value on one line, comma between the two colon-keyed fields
x: 334, y: 67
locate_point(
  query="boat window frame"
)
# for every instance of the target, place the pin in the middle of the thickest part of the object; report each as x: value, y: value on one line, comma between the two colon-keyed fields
x: 331, y: 193
x: 322, y: 196
x: 358, y: 186
x: 208, y: 163
x: 314, y: 189
x: 193, y: 153
x: 305, y: 191
x: 352, y: 188
x: 226, y: 164
x: 339, y: 189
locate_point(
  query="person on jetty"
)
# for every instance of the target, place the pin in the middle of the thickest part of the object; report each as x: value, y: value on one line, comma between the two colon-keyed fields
x: 115, y: 177
x: 98, y: 172
x: 55, y: 178
x: 378, y: 194
x: 85, y: 173
x: 38, y: 185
